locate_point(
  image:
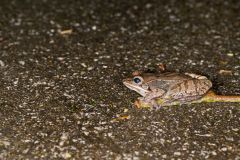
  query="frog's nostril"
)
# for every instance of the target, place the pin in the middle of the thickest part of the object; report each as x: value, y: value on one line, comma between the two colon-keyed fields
x: 125, y: 80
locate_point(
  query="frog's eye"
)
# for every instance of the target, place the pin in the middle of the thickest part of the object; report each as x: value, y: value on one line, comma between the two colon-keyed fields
x: 138, y: 80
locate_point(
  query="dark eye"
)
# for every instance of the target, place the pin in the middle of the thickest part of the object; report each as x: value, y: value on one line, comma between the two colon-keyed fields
x: 137, y: 80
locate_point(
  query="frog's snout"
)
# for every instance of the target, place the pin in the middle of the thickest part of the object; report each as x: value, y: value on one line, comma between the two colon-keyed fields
x: 126, y: 80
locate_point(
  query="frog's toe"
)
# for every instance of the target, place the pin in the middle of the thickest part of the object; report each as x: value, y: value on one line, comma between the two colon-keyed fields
x: 137, y: 104
x: 142, y: 104
x: 155, y: 105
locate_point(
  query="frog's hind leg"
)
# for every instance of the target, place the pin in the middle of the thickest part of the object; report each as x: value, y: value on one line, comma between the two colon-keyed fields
x: 189, y: 90
x: 212, y: 97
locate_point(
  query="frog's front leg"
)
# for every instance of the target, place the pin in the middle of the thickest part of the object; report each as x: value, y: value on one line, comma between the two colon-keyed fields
x: 150, y: 98
x: 155, y: 93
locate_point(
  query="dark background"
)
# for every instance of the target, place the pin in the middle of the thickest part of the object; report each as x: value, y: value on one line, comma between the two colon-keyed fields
x: 61, y: 95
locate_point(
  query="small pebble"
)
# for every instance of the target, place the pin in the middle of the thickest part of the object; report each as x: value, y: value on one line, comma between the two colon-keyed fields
x: 94, y: 28
x: 21, y: 62
x: 2, y: 64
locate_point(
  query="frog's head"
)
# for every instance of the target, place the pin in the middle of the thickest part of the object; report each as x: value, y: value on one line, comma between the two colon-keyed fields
x: 138, y: 82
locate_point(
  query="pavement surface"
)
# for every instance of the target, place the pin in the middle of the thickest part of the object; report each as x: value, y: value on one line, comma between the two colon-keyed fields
x: 61, y: 70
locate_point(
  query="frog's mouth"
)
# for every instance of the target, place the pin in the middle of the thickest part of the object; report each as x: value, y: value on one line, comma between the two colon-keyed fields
x: 136, y: 88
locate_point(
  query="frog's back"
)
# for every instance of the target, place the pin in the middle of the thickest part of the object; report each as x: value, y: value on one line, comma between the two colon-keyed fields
x: 179, y: 86
x: 165, y: 81
x: 173, y: 76
x: 167, y: 76
x: 182, y: 87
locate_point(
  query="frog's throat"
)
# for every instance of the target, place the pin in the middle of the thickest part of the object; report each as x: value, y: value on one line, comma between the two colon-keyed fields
x: 138, y: 89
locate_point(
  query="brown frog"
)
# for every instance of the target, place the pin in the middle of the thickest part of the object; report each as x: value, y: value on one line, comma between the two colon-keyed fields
x: 168, y: 88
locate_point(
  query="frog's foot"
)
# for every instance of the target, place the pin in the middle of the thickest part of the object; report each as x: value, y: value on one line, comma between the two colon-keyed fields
x: 149, y: 103
x: 142, y: 103
x: 137, y: 103
x: 155, y: 105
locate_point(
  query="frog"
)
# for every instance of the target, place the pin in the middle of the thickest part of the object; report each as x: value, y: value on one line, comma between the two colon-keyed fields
x: 171, y: 88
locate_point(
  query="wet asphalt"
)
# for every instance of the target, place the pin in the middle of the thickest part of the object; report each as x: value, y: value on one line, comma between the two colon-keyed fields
x: 61, y: 70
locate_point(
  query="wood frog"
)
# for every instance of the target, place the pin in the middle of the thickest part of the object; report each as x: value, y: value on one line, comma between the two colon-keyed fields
x: 170, y: 88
